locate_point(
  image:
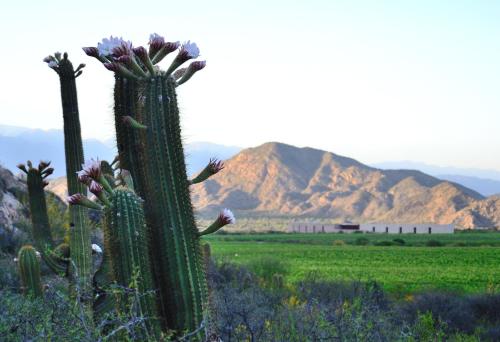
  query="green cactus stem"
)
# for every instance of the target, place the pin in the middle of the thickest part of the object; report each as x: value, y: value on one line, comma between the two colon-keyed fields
x: 126, y: 246
x: 29, y: 270
x: 81, y: 257
x: 36, y: 179
x: 150, y: 147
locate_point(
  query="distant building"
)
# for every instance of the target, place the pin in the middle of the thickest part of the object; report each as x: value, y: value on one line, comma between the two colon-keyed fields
x: 390, y: 228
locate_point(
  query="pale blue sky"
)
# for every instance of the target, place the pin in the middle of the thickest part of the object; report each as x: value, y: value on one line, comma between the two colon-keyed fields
x: 373, y: 80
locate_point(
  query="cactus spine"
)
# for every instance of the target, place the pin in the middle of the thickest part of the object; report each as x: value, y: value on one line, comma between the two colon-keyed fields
x: 39, y: 218
x: 80, y: 246
x: 29, y: 269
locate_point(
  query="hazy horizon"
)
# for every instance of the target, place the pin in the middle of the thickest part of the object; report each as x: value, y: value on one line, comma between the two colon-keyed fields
x: 380, y: 82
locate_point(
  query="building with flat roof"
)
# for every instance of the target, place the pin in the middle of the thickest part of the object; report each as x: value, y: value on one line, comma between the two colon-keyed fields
x: 389, y: 228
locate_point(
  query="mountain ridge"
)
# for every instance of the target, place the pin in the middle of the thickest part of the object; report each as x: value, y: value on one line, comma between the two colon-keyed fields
x: 283, y: 180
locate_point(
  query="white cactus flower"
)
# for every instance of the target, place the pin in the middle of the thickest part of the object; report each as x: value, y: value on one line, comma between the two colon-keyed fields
x: 107, y: 45
x: 96, y: 248
x: 191, y: 49
x: 53, y: 64
x: 228, y: 216
x: 156, y: 37
x: 90, y: 169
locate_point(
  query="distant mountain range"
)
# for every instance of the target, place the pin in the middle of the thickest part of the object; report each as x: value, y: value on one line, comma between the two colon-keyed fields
x: 19, y: 144
x: 276, y: 179
x: 486, y: 182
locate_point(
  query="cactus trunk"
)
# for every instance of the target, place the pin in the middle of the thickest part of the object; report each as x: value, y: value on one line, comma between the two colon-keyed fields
x: 155, y: 158
x: 80, y: 245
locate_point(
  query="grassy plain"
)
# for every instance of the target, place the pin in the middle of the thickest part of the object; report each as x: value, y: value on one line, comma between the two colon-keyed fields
x: 467, y: 263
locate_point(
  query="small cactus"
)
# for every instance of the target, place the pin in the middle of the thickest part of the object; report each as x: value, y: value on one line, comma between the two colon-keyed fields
x: 36, y: 179
x: 126, y: 247
x: 29, y: 270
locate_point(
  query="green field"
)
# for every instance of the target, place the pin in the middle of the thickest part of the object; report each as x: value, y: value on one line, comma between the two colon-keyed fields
x: 470, y: 262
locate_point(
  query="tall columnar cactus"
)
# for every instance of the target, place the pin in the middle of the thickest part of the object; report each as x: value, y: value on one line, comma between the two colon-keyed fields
x: 126, y: 240
x: 39, y: 218
x: 149, y: 143
x: 29, y: 270
x: 80, y: 246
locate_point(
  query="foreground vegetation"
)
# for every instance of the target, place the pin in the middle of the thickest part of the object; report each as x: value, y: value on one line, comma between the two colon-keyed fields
x: 402, y: 264
x: 261, y: 307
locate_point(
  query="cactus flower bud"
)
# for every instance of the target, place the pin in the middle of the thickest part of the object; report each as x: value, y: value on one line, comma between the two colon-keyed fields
x: 95, y: 188
x: 75, y: 199
x: 43, y: 165
x: 49, y: 59
x: 91, y: 51
x: 155, y: 44
x: 191, y: 70
x: 225, y: 217
x: 213, y: 167
x: 22, y: 167
x: 179, y: 73
x: 113, y: 66
x: 79, y: 199
x: 53, y: 65
x: 188, y: 51
x: 47, y: 172
x: 166, y: 48
x: 143, y: 56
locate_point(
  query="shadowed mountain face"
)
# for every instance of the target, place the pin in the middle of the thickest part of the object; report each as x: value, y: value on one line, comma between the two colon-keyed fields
x: 282, y: 180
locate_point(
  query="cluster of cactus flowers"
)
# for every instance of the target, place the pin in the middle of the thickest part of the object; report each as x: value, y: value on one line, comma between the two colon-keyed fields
x: 137, y: 63
x: 150, y: 235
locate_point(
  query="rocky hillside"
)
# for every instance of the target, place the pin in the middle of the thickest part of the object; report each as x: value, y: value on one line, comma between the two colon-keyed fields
x: 11, y: 209
x: 281, y: 180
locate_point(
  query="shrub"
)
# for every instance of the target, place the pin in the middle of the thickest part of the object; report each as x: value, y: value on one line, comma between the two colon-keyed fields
x: 338, y: 242
x: 361, y: 241
x: 385, y: 243
x: 399, y: 241
x: 267, y: 268
x: 434, y: 243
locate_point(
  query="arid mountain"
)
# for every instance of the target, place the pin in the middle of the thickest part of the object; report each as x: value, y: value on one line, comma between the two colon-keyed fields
x: 281, y: 180
x: 58, y: 186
